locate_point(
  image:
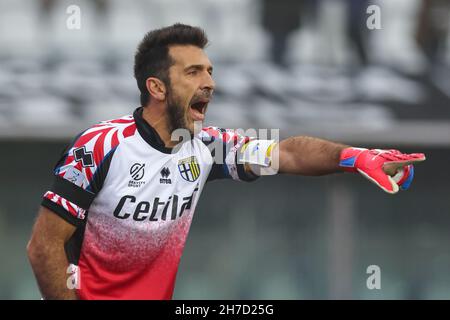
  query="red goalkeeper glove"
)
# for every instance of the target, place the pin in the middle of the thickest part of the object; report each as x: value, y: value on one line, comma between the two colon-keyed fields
x: 388, y: 169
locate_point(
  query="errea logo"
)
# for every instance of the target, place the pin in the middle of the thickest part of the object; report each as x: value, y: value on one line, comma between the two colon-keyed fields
x: 137, y: 172
x: 165, y: 172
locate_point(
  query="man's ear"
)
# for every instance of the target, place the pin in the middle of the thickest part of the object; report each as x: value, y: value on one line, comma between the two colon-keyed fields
x: 156, y: 88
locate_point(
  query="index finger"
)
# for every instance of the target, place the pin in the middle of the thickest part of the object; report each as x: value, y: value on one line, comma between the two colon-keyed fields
x: 392, y: 166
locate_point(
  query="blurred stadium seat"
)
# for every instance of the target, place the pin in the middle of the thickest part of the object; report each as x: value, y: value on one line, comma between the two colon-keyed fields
x: 80, y: 69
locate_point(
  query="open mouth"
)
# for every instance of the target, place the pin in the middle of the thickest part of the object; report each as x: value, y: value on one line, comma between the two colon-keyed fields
x: 198, y: 110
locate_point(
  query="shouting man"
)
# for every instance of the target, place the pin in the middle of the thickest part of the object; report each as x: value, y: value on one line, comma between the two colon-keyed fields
x: 115, y: 221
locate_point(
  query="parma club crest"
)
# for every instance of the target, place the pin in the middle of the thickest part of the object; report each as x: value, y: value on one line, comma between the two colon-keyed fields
x: 189, y: 168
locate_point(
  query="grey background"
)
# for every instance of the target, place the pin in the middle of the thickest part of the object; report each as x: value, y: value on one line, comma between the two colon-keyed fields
x: 316, y: 71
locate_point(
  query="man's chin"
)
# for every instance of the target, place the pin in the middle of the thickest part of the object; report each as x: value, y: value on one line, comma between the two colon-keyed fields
x: 187, y: 132
x: 195, y: 127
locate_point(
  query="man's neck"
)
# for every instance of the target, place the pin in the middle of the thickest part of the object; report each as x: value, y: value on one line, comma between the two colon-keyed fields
x: 158, y: 119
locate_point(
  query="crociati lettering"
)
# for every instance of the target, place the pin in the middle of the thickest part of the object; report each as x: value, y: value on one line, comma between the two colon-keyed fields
x: 153, y: 210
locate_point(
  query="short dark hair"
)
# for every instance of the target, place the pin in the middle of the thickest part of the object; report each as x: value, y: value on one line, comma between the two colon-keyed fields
x: 152, y: 56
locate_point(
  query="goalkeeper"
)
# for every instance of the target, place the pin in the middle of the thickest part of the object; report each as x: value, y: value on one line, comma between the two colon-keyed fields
x: 115, y: 221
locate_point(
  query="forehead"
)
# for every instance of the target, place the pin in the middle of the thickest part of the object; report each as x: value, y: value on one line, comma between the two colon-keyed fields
x: 185, y: 55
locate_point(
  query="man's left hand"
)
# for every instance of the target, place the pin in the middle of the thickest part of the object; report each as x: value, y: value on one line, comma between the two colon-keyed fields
x: 391, y: 170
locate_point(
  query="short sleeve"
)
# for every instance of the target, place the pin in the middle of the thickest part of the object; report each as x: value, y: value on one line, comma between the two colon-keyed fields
x: 81, y: 170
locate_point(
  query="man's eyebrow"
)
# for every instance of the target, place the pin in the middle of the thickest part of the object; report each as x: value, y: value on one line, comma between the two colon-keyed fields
x: 199, y: 67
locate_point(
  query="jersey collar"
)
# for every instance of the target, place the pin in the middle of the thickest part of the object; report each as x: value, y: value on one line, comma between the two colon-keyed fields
x: 148, y: 133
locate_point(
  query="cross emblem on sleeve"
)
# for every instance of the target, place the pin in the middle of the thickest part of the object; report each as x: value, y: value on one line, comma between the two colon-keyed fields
x: 86, y: 158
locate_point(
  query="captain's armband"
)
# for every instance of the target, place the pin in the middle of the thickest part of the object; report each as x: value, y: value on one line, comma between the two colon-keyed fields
x: 259, y: 156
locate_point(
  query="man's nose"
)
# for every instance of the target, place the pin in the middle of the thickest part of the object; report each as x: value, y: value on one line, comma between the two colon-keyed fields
x: 208, y: 83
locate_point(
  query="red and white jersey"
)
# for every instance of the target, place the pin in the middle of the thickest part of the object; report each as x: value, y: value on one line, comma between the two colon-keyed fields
x: 132, y: 200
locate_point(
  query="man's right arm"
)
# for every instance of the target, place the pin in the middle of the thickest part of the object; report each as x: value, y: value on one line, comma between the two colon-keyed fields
x: 78, y: 177
x: 47, y: 255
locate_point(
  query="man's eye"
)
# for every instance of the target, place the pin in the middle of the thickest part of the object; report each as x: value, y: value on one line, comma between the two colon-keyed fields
x: 192, y: 72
